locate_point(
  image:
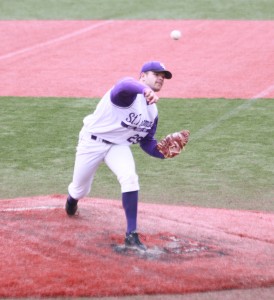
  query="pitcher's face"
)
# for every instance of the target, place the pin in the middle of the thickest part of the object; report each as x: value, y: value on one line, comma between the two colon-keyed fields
x: 155, y: 80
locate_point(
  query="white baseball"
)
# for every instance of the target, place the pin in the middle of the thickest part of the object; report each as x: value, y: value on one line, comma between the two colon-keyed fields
x: 175, y: 34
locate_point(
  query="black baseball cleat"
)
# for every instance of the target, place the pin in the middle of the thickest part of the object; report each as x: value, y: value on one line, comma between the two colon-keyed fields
x: 132, y: 242
x: 71, y: 207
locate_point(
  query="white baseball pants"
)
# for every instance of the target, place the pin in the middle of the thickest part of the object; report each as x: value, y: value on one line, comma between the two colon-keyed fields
x: 90, y: 154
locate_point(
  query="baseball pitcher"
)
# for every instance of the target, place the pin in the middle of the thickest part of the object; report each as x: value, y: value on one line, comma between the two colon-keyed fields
x: 126, y: 115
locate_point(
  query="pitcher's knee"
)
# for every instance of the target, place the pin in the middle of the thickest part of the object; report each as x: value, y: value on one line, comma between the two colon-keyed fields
x: 78, y: 192
x: 129, y: 182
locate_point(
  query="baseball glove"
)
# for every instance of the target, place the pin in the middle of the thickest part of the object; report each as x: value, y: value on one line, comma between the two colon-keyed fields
x: 173, y: 143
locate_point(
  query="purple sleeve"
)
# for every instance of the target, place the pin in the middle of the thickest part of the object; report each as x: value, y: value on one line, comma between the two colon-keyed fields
x: 149, y: 143
x: 125, y: 91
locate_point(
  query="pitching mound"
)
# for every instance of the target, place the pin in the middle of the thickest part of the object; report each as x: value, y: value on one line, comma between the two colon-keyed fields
x: 46, y: 253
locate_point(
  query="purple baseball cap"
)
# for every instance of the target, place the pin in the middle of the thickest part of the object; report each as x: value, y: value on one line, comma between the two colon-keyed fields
x: 156, y: 66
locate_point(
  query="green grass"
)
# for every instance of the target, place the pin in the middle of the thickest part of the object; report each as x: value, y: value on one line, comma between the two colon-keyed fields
x: 133, y: 9
x: 228, y: 163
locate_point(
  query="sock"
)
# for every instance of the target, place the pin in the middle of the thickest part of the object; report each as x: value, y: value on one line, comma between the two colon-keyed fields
x: 72, y: 200
x: 130, y: 204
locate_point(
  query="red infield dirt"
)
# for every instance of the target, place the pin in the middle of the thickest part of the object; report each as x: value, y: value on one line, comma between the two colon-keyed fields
x: 229, y: 59
x: 46, y: 253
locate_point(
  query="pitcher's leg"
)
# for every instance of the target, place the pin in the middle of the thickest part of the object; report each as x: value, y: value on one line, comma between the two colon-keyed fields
x: 120, y: 160
x: 130, y: 205
x: 89, y: 155
x: 84, y: 170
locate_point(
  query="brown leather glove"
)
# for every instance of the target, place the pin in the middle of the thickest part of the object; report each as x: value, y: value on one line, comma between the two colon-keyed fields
x: 173, y: 143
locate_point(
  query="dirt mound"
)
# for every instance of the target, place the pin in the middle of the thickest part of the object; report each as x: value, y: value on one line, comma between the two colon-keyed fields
x: 46, y: 253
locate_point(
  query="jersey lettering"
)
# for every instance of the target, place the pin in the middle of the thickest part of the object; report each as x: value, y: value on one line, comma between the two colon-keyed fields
x: 134, y: 119
x: 135, y: 139
x: 135, y: 122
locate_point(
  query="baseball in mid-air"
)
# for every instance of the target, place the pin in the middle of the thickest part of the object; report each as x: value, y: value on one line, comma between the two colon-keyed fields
x: 175, y: 34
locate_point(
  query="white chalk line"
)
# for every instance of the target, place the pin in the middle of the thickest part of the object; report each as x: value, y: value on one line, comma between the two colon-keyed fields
x: 205, y: 130
x: 29, y: 208
x: 55, y: 40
